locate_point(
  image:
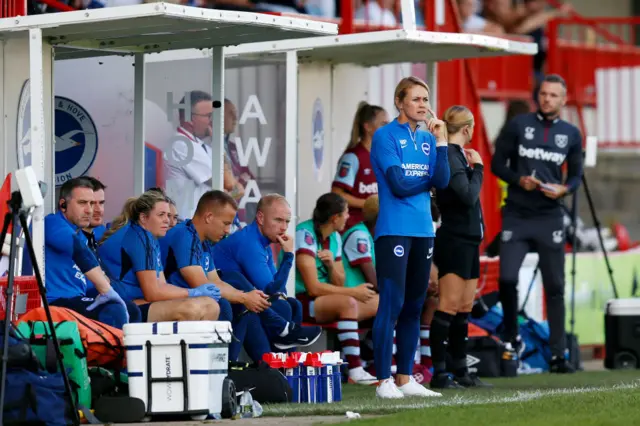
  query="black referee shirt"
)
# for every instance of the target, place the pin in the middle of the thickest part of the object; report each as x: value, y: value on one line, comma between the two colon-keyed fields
x: 459, y: 203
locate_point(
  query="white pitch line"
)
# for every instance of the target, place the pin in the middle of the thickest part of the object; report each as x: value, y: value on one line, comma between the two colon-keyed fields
x: 519, y: 396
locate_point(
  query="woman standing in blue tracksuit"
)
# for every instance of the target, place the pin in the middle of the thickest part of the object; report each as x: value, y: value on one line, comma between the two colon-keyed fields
x: 407, y: 162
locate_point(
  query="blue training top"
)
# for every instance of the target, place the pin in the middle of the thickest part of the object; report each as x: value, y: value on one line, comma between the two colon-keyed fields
x: 247, y: 251
x: 129, y: 250
x: 67, y: 258
x: 407, y: 165
x: 181, y: 247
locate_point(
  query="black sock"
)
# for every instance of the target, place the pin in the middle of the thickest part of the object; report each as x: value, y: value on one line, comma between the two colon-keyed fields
x: 458, y: 332
x: 438, y: 335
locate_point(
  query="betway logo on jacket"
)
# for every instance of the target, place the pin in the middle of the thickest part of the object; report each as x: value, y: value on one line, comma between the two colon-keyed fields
x: 415, y: 169
x: 541, y: 154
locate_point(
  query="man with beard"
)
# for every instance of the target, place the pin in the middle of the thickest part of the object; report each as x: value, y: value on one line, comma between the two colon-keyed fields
x: 529, y: 156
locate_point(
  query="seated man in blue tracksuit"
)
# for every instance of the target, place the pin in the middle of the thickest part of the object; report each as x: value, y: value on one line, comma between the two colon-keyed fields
x: 70, y: 263
x: 188, y: 264
x: 245, y: 261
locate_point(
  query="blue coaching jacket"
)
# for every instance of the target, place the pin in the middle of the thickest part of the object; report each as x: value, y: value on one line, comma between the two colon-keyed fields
x: 407, y: 165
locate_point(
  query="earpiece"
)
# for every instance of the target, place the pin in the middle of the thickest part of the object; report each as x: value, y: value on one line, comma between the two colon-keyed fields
x: 63, y: 205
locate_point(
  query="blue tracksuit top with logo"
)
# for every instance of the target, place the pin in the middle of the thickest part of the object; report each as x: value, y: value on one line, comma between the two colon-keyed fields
x: 407, y: 165
x: 530, y: 142
x: 180, y: 248
x: 129, y: 250
x: 248, y: 251
x: 67, y: 257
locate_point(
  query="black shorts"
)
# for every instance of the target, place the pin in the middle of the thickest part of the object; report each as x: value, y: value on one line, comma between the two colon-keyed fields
x: 454, y: 255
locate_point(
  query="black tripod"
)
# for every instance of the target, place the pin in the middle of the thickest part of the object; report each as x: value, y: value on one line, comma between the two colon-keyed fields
x: 573, y: 213
x: 17, y: 213
x: 596, y: 223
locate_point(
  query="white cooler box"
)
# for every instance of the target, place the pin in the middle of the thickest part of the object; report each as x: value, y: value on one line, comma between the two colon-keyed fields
x: 622, y: 334
x: 181, y: 367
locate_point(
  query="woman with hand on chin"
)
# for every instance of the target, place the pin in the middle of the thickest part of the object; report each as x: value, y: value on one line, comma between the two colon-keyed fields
x: 407, y: 162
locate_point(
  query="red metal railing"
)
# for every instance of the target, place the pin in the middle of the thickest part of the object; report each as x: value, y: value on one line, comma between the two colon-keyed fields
x: 581, y: 49
x: 10, y: 8
x: 56, y: 5
x: 458, y: 84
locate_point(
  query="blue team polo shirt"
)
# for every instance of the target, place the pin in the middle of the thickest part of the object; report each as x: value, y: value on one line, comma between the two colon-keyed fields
x: 396, y: 144
x: 180, y: 248
x: 248, y: 252
x: 129, y: 250
x: 65, y: 247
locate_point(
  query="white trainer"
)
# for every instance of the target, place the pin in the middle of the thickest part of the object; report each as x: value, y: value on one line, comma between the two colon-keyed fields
x: 414, y: 388
x: 359, y: 376
x: 388, y: 389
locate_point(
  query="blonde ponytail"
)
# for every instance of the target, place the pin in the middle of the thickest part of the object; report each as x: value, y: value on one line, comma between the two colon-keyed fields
x: 121, y: 219
x: 456, y: 118
x: 366, y: 113
x: 133, y: 208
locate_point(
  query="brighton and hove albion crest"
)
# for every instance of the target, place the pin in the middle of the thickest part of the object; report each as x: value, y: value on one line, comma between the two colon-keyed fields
x: 317, y: 125
x: 76, y: 140
x: 76, y: 137
x: 23, y: 127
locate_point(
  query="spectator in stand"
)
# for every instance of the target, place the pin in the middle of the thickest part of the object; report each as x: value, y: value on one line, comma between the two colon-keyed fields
x: 354, y: 180
x: 534, y: 26
x: 245, y: 260
x: 321, y: 282
x: 188, y: 264
x: 528, y: 17
x: 70, y: 262
x: 377, y: 12
x: 474, y: 23
x: 236, y: 175
x: 131, y: 251
x: 189, y: 178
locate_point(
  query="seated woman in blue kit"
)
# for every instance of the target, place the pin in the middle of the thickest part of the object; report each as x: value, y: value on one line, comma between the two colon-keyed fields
x: 131, y: 251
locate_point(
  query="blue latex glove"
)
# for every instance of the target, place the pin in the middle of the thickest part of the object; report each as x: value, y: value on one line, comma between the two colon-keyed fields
x: 209, y: 290
x: 110, y: 296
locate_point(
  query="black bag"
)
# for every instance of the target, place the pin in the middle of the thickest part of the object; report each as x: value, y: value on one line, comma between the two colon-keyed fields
x: 33, y: 395
x: 266, y: 384
x: 111, y: 400
x: 484, y: 356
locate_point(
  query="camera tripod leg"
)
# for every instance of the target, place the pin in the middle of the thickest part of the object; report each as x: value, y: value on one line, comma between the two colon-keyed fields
x: 45, y: 304
x: 10, y: 217
x: 596, y: 222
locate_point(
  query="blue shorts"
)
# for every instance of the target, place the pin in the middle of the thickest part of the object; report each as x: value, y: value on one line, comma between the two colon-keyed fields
x: 109, y: 313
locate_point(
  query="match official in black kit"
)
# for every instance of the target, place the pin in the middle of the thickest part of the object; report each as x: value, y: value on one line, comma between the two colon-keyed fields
x: 529, y: 156
x: 456, y: 253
